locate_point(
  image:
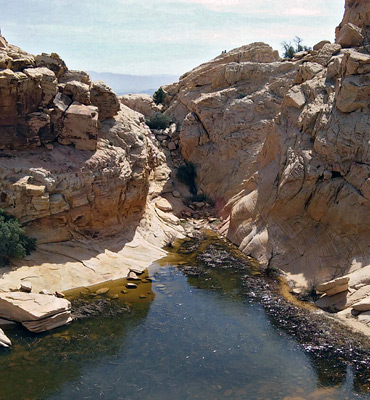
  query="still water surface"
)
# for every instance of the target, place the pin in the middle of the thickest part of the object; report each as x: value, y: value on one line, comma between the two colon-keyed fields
x: 181, y: 340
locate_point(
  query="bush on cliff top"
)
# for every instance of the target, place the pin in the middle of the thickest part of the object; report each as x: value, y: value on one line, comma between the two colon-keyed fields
x: 158, y: 121
x: 289, y: 50
x: 14, y: 243
x: 159, y: 96
x: 187, y: 175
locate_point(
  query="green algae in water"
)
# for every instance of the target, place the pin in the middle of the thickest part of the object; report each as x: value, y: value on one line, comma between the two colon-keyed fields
x: 197, y: 337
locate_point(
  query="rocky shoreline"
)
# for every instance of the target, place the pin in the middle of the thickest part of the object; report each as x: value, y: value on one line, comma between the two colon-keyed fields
x: 322, y: 337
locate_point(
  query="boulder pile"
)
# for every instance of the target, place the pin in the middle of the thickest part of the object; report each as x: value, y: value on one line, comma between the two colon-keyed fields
x: 168, y: 138
x: 42, y: 101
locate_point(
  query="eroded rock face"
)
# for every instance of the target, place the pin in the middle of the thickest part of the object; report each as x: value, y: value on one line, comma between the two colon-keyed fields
x: 103, y: 97
x: 306, y: 212
x: 91, y: 158
x: 65, y: 190
x: 282, y: 148
x: 90, y: 164
x: 226, y: 108
x: 142, y: 103
x: 354, y: 29
x: 41, y: 101
x: 80, y: 126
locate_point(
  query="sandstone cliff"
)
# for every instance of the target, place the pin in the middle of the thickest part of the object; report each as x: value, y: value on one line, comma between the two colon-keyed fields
x: 75, y: 167
x: 282, y: 148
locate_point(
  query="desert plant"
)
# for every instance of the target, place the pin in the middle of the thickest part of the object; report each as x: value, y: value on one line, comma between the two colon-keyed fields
x: 158, y: 121
x: 289, y: 49
x: 187, y: 174
x: 272, y: 272
x: 170, y: 240
x: 159, y: 96
x: 197, y: 198
x: 14, y: 243
x: 310, y: 294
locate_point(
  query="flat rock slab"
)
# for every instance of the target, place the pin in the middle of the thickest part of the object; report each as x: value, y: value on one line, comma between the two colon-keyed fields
x: 4, y: 340
x: 337, y: 289
x: 46, y: 324
x: 363, y: 305
x: 20, y: 306
x: 331, y: 284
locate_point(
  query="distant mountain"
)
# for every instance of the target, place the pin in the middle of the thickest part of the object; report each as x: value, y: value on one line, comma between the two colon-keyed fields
x: 125, y: 84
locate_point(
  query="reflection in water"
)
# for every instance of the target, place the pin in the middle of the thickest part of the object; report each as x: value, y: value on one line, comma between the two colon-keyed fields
x: 201, y: 336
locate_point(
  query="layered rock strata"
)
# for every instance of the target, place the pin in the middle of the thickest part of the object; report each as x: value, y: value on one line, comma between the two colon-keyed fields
x: 76, y: 168
x: 36, y: 312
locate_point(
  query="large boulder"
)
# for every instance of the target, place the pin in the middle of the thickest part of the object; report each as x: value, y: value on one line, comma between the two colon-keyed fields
x: 142, y: 103
x: 103, y: 97
x: 80, y: 127
x: 349, y: 36
x: 47, y: 80
x: 74, y: 75
x: 53, y: 62
x: 355, y: 23
x: 37, y: 312
x: 61, y: 103
x: 78, y: 91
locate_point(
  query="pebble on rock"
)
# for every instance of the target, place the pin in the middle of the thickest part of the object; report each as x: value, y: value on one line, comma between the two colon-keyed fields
x: 26, y: 286
x: 132, y: 276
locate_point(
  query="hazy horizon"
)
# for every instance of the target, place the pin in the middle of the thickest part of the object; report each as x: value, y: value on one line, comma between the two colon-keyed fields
x: 156, y: 37
x: 128, y: 83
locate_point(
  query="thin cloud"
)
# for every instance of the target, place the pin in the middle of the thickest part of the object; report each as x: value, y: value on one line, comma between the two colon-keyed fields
x: 302, y: 12
x: 302, y: 8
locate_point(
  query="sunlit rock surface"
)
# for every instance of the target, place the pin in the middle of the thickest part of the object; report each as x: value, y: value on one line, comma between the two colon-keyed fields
x: 282, y: 148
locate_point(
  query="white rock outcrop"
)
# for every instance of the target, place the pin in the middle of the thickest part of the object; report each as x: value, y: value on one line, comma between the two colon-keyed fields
x: 37, y: 312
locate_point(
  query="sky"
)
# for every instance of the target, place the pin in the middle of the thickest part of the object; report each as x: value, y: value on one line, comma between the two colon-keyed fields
x: 147, y: 37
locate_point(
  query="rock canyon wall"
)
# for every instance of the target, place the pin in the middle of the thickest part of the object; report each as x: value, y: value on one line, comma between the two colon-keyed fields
x: 76, y: 167
x: 282, y: 148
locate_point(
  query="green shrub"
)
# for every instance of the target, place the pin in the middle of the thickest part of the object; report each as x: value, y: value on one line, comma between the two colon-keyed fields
x: 159, y: 96
x: 187, y: 174
x: 271, y: 271
x: 158, y: 121
x: 199, y: 198
x: 14, y: 243
x: 289, y: 49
